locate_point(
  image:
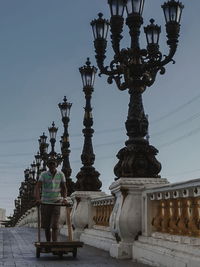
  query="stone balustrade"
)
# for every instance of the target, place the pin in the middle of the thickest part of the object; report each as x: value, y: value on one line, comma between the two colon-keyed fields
x: 170, y: 225
x: 173, y: 209
x: 103, y: 207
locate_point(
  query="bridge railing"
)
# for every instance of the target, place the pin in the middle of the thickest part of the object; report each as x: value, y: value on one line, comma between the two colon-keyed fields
x: 102, y: 209
x: 172, y: 209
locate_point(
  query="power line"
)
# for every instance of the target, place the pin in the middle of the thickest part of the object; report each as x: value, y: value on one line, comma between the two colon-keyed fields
x: 182, y: 106
x: 185, y: 172
x: 120, y: 128
x: 193, y: 117
x: 178, y: 139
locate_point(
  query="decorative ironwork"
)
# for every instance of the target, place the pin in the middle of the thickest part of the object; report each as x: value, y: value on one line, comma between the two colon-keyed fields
x: 43, y: 147
x: 136, y: 69
x: 38, y: 160
x: 64, y: 142
x: 87, y: 178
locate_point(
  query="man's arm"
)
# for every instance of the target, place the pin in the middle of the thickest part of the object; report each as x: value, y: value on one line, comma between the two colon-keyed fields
x: 37, y: 191
x: 63, y: 190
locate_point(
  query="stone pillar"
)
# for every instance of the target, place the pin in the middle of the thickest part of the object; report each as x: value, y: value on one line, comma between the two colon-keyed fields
x: 126, y: 217
x: 82, y: 215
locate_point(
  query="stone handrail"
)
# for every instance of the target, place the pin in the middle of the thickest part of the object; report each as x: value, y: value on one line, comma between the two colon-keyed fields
x: 173, y: 209
x: 103, y: 207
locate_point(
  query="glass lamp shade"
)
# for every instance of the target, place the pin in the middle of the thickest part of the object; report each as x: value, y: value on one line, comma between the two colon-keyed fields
x: 100, y: 27
x: 152, y: 32
x: 46, y: 148
x: 172, y: 11
x: 43, y: 139
x: 52, y: 131
x: 19, y: 200
x: 117, y: 7
x: 33, y: 166
x: 65, y: 108
x: 26, y: 171
x: 38, y: 158
x: 61, y: 142
x: 25, y: 187
x: 88, y: 74
x: 135, y: 7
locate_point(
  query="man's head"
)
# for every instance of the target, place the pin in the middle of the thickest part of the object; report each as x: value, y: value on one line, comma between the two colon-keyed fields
x: 52, y: 164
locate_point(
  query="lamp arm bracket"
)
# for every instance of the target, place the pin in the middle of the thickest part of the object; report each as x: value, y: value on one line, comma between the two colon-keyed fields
x: 169, y: 58
x: 149, y: 78
x: 111, y: 70
x: 121, y: 86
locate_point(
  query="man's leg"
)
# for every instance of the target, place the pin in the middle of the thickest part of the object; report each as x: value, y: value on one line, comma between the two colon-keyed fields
x: 46, y: 221
x: 55, y: 223
x: 54, y: 234
x: 48, y: 234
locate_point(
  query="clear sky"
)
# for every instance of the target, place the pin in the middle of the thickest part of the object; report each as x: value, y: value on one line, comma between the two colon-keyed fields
x: 42, y: 45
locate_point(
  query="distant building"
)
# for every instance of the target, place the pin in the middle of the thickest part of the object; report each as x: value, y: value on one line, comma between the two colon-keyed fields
x: 2, y: 216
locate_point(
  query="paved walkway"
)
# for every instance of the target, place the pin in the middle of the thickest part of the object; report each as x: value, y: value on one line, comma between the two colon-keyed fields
x: 17, y: 249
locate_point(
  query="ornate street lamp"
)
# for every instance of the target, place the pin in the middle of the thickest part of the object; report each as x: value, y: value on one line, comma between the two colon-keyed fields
x: 64, y: 143
x: 52, y: 132
x: 135, y: 69
x: 87, y: 178
x: 38, y: 160
x: 43, y: 147
x: 33, y: 169
x: 26, y: 173
x: 52, y: 154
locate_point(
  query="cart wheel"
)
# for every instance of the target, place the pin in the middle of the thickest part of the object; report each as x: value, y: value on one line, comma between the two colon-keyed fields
x: 74, y: 252
x: 37, y: 252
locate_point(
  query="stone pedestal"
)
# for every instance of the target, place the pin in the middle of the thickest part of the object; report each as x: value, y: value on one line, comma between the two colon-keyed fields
x: 82, y: 215
x: 126, y: 217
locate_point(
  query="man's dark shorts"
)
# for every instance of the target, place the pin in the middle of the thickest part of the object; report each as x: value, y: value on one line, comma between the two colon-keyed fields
x: 50, y: 215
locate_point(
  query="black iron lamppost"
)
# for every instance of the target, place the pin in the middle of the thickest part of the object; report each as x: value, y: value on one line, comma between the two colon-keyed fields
x: 26, y: 174
x: 43, y: 147
x: 52, y: 154
x: 29, y: 179
x: 64, y: 143
x: 135, y: 69
x: 52, y: 132
x: 87, y: 178
x: 38, y: 160
x: 33, y: 170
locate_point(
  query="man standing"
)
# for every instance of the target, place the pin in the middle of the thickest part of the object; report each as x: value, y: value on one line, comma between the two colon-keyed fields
x: 53, y: 187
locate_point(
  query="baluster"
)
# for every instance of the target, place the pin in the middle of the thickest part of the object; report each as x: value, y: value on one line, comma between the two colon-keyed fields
x: 184, y: 217
x: 99, y: 214
x: 157, y: 220
x: 103, y: 213
x: 106, y: 215
x: 193, y: 224
x: 173, y: 228
x: 110, y: 211
x: 95, y: 214
x: 165, y: 215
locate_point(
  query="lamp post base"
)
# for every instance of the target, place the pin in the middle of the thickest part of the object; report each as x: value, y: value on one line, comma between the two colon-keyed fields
x: 82, y: 212
x: 126, y: 217
x: 87, y: 179
x: 137, y: 160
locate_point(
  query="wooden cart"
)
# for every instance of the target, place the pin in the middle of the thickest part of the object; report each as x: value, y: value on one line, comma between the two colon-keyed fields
x: 58, y: 248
